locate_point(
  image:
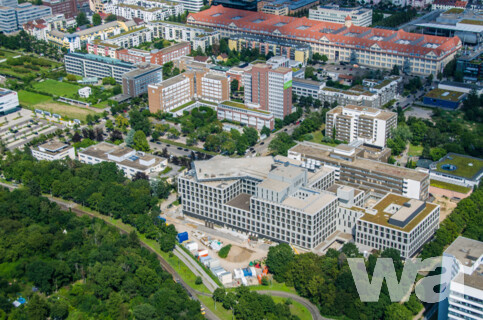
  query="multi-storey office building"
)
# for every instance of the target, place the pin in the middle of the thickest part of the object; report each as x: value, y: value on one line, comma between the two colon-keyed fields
x: 372, y: 93
x: 152, y: 13
x: 126, y: 159
x: 259, y: 196
x: 158, y: 57
x: 174, y: 92
x: 306, y: 87
x: 8, y: 100
x: 88, y: 65
x: 291, y: 50
x: 66, y: 7
x: 370, y: 125
x: 199, y: 37
x: 171, y: 93
x: 397, y: 222
x: 369, y: 175
x: 13, y: 18
x: 53, y: 150
x: 372, y: 47
x: 131, y: 38
x: 462, y: 285
x: 285, y: 7
x: 135, y: 82
x: 332, y: 13
x: 214, y: 88
x: 269, y: 88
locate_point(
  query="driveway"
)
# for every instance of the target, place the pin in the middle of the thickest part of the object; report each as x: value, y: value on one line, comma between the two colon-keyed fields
x: 314, y: 311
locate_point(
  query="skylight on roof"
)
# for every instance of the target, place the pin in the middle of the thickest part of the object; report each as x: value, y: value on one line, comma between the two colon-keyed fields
x: 258, y: 20
x: 402, y: 41
x: 216, y: 14
x: 376, y: 38
x: 302, y: 27
x: 236, y: 18
x: 280, y: 24
x: 431, y: 45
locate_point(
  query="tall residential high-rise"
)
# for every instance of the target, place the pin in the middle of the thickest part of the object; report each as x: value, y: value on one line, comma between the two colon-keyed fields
x: 370, y: 125
x: 269, y: 88
x: 462, y: 283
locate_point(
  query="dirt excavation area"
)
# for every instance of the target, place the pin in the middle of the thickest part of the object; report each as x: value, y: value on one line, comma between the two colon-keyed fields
x: 239, y: 254
x: 446, y: 206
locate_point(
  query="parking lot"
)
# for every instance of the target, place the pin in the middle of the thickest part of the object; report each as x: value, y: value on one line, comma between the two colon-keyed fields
x: 19, y: 128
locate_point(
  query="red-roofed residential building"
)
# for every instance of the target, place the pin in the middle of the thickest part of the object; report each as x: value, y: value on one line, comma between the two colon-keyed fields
x: 448, y: 4
x: 372, y: 47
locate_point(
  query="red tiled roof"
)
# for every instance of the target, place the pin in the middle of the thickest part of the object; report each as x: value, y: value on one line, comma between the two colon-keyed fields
x: 317, y: 31
x: 348, y: 18
x: 201, y: 58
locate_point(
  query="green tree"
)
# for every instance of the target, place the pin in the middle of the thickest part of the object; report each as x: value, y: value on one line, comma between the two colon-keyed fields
x: 37, y: 308
x: 395, y: 70
x: 130, y: 138
x: 234, y: 85
x: 144, y: 312
x: 278, y: 260
x: 111, y: 17
x: 396, y: 311
x: 96, y: 19
x: 198, y: 280
x: 437, y: 153
x: 281, y: 143
x: 140, y: 143
x: 265, y: 131
x: 251, y: 134
x: 59, y: 310
x: 81, y: 19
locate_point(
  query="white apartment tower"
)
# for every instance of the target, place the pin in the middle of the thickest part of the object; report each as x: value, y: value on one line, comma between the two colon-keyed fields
x: 462, y: 284
x: 369, y: 125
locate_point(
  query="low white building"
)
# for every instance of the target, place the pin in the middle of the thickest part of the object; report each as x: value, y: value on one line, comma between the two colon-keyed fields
x: 126, y: 159
x: 85, y: 92
x: 8, y: 100
x: 53, y: 150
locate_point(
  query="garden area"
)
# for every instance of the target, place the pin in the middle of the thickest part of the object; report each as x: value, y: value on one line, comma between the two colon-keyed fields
x: 33, y: 100
x: 25, y: 68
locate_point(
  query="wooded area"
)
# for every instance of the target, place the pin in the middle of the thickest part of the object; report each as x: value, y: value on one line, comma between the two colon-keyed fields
x: 64, y: 266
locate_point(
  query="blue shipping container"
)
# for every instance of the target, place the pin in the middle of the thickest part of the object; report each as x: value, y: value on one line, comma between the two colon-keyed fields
x: 181, y: 237
x: 247, y: 272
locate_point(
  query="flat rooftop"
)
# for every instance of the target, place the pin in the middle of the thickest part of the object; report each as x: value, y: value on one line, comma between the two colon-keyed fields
x: 381, y: 216
x: 103, y: 149
x: 52, y: 147
x: 142, y: 70
x: 312, y: 204
x: 466, y: 250
x: 459, y: 165
x: 442, y: 94
x: 226, y: 168
x: 242, y: 201
x: 322, y: 152
x: 474, y: 280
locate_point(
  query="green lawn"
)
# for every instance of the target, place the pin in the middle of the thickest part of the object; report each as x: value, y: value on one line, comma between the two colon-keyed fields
x: 221, y: 312
x: 449, y: 186
x: 31, y: 98
x: 57, y: 88
x: 7, y: 54
x: 415, y: 151
x: 296, y: 308
x: 465, y: 166
x: 100, y: 105
x: 274, y: 286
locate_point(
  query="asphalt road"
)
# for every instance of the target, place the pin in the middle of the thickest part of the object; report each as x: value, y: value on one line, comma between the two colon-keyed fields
x: 314, y: 311
x: 262, y: 146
